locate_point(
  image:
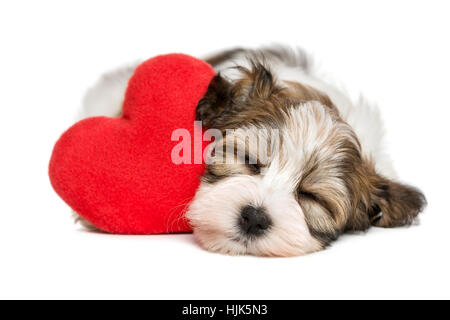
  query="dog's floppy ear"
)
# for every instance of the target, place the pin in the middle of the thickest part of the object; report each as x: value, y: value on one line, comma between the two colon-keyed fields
x: 216, y: 99
x: 394, y: 204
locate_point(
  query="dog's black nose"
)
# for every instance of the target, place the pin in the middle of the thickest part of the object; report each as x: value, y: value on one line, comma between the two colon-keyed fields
x: 254, y: 221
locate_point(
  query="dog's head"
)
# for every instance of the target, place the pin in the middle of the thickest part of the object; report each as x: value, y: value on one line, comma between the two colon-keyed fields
x: 288, y: 176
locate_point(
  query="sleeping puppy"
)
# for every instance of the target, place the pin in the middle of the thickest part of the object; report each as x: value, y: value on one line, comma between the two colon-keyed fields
x: 296, y: 164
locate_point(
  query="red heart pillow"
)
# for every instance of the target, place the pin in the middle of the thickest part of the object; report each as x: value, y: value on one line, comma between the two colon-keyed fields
x: 117, y: 172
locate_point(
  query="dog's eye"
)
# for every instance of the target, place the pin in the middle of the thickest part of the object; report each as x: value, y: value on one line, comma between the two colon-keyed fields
x: 254, y: 168
x: 306, y: 195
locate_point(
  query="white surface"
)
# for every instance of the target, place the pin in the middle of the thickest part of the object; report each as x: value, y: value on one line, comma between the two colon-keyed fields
x: 396, y: 53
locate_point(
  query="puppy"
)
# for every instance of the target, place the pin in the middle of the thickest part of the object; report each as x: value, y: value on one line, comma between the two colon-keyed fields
x: 323, y: 170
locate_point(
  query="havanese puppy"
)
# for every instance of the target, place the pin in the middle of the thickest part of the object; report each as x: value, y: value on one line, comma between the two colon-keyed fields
x: 297, y: 163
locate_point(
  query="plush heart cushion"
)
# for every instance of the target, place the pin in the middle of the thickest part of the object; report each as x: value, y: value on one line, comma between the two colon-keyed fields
x: 117, y: 172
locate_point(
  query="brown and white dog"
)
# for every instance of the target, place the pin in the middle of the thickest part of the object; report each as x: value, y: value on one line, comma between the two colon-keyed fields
x: 323, y: 170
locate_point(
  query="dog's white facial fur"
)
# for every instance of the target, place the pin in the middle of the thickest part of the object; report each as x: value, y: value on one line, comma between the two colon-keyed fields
x: 215, y: 213
x: 216, y: 209
x: 324, y: 172
x: 284, y: 172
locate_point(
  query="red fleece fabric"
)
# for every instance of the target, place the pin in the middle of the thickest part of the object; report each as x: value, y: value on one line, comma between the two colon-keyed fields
x: 117, y: 172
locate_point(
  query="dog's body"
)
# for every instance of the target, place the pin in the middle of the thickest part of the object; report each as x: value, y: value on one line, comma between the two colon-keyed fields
x: 324, y: 173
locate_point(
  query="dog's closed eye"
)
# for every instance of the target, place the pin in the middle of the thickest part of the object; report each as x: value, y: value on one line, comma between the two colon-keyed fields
x: 302, y: 194
x: 255, y: 168
x: 309, y: 196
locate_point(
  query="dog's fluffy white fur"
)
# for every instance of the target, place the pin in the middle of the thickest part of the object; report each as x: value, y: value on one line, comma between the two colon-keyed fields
x: 308, y: 128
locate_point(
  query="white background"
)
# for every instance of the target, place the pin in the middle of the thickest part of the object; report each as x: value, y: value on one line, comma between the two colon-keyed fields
x: 395, y: 52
